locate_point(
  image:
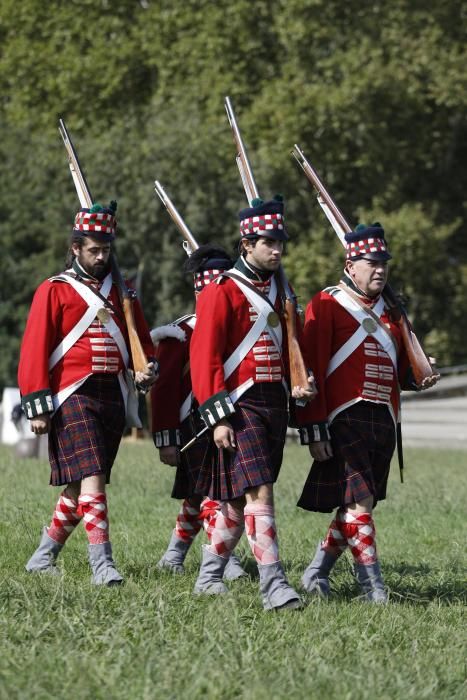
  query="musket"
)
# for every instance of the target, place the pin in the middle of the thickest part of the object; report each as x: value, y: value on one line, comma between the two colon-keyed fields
x: 138, y: 355
x: 298, y: 372
x: 189, y: 243
x: 241, y: 158
x: 419, y: 362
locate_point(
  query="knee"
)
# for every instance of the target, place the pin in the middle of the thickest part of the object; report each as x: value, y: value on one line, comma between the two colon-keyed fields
x: 262, y: 495
x: 363, y: 506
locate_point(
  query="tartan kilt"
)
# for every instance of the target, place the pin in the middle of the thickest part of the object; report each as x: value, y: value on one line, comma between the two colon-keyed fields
x: 86, y: 431
x: 192, y: 460
x: 363, y: 440
x: 260, y: 424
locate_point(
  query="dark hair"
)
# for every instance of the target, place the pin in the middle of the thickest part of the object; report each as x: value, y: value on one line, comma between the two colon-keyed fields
x: 251, y: 238
x: 78, y: 240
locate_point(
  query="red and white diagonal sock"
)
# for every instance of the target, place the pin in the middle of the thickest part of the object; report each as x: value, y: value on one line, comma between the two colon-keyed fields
x: 335, y: 542
x: 93, y: 506
x: 189, y: 522
x: 64, y: 519
x: 260, y: 528
x: 227, y: 529
x: 359, y: 529
x: 208, y: 512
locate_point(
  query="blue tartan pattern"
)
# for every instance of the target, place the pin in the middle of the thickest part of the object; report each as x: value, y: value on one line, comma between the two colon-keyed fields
x: 363, y: 441
x: 86, y: 431
x: 260, y: 424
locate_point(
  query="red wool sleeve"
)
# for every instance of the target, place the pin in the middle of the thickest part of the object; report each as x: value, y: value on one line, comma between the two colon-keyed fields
x: 318, y: 340
x: 40, y: 338
x: 208, y: 344
x: 166, y: 396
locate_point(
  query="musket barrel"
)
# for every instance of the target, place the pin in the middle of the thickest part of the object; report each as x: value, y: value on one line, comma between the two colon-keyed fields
x: 176, y: 218
x: 82, y: 188
x: 315, y: 180
x: 246, y: 171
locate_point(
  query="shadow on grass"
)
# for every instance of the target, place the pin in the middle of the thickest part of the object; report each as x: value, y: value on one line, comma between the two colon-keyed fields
x: 415, y: 584
x: 422, y: 584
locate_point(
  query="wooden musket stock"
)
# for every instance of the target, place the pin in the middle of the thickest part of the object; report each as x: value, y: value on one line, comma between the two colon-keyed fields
x: 299, y: 373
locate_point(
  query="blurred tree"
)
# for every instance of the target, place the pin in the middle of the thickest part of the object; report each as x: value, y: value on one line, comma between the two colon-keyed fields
x: 374, y: 93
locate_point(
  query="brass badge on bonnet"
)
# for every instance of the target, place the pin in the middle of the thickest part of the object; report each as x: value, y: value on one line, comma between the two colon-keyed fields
x: 103, y: 315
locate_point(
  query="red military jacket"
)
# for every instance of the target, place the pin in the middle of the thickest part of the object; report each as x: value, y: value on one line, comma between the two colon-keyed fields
x: 224, y: 318
x: 367, y: 374
x: 56, y: 309
x: 172, y: 391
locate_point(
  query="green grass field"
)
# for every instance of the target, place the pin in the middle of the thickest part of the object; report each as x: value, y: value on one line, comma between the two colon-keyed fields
x: 63, y: 638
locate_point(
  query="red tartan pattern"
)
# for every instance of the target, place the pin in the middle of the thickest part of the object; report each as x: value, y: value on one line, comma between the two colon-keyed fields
x: 93, y: 507
x: 65, y: 518
x: 260, y: 424
x: 260, y: 528
x: 228, y: 529
x: 189, y: 522
x: 359, y: 530
x: 363, y: 441
x: 200, y: 454
x: 86, y: 431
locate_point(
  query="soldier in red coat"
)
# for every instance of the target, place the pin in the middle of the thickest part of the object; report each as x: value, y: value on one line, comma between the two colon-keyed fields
x: 239, y: 374
x: 359, y: 362
x: 73, y: 381
x: 175, y: 419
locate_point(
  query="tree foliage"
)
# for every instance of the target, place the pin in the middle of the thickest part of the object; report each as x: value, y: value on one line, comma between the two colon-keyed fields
x: 375, y: 94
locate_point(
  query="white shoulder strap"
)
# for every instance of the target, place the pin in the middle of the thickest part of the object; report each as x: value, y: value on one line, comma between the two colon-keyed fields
x: 94, y: 304
x: 110, y: 325
x: 263, y: 309
x: 360, y: 334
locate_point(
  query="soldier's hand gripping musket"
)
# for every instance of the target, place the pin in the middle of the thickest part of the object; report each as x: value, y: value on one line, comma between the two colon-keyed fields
x: 423, y: 371
x: 139, y: 358
x: 302, y: 384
